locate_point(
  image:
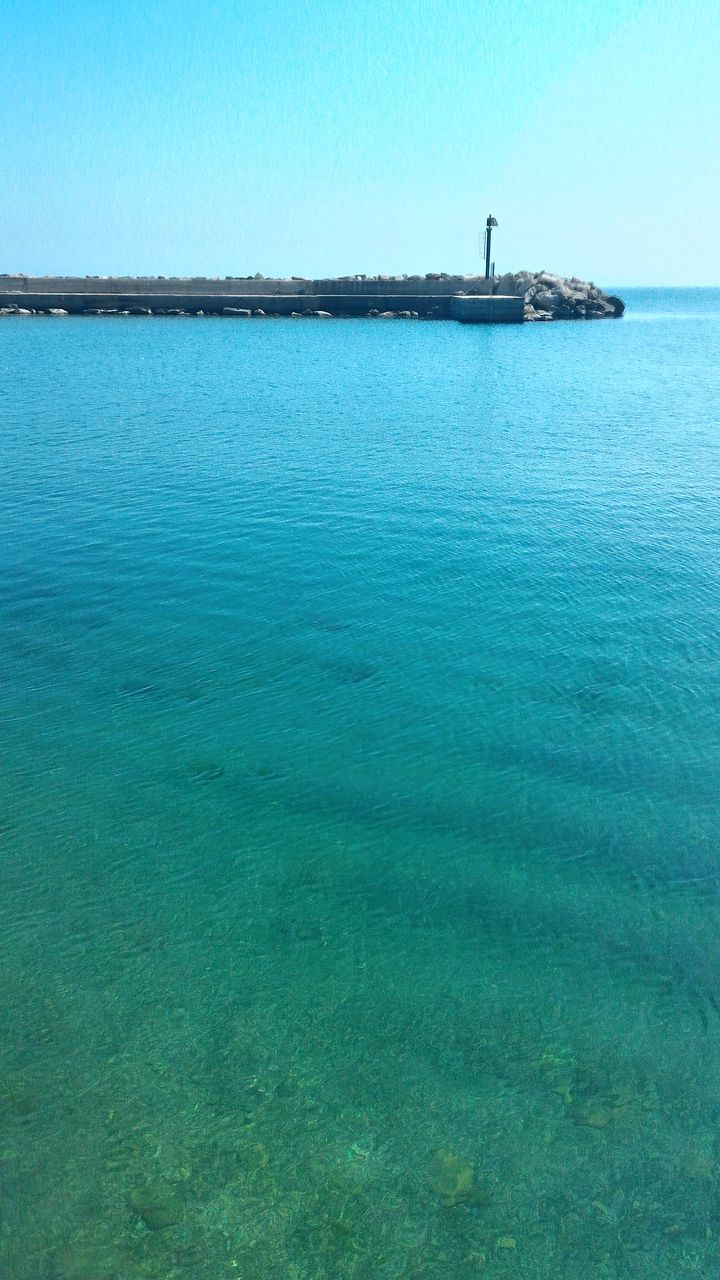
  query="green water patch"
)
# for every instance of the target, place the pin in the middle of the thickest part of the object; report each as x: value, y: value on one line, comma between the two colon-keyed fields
x: 359, y: 910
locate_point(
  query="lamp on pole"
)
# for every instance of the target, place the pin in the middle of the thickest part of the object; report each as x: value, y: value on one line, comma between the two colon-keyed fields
x: 491, y: 222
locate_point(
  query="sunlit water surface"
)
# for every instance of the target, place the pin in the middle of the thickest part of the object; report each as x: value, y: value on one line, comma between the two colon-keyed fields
x: 359, y: 800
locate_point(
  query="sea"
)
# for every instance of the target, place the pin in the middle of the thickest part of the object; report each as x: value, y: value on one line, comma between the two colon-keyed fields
x: 359, y: 798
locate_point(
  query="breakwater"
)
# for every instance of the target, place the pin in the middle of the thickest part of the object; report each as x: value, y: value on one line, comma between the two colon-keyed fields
x: 511, y: 298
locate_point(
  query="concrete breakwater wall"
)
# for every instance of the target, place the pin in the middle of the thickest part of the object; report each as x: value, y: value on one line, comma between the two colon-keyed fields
x: 512, y: 298
x: 427, y: 296
x: 432, y: 285
x: 218, y: 303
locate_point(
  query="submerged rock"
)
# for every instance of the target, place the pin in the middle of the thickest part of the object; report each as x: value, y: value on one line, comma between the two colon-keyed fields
x: 594, y: 1101
x: 591, y: 1113
x: 16, y: 1100
x: 205, y: 771
x: 158, y: 1204
x: 83, y: 1259
x: 451, y: 1177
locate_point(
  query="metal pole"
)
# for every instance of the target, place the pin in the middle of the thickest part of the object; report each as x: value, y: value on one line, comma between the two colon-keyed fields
x: 491, y: 222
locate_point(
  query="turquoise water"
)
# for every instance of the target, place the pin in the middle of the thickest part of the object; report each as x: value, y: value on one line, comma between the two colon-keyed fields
x: 358, y: 806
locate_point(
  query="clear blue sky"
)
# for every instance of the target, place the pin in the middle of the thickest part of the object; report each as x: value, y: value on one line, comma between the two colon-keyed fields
x: 330, y: 136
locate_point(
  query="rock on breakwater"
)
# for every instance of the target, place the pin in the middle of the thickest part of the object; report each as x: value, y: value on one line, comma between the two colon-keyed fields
x: 551, y: 297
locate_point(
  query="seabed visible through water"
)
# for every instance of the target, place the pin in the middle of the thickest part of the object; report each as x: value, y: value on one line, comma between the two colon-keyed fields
x: 358, y: 802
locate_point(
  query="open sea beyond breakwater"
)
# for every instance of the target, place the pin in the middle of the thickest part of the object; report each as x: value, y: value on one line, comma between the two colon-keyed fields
x: 358, y: 805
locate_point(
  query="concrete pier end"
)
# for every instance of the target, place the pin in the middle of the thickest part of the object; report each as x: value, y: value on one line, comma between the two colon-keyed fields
x: 496, y: 308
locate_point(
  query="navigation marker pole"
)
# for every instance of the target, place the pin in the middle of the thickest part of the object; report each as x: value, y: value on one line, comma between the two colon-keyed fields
x: 491, y: 222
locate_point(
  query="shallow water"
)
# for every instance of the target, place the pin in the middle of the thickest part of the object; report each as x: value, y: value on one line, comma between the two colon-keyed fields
x: 359, y: 798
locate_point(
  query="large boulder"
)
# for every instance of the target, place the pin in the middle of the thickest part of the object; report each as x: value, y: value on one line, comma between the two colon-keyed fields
x: 524, y: 280
x: 553, y: 297
x: 507, y: 284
